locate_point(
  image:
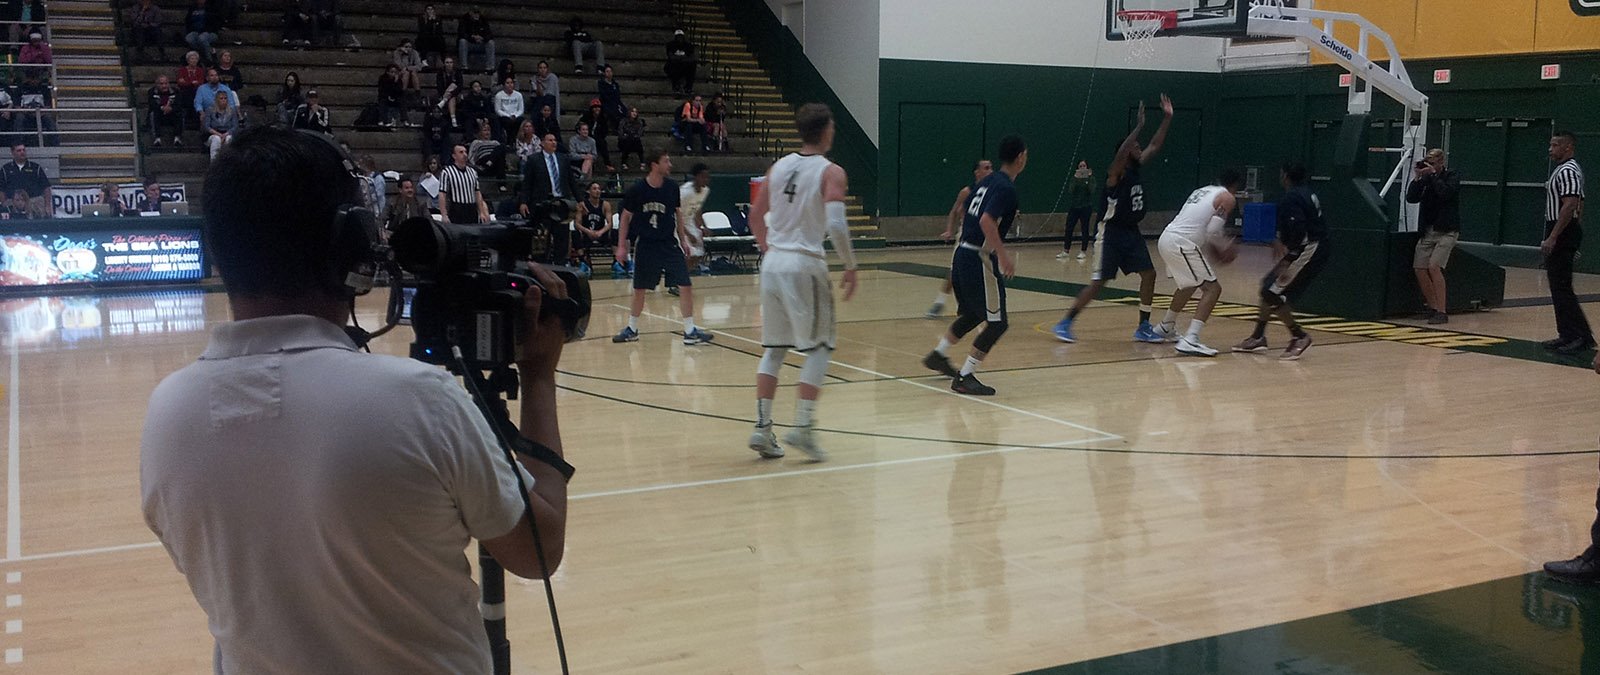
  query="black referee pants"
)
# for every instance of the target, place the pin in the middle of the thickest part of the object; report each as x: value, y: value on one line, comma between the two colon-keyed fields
x: 462, y: 214
x: 1571, y: 323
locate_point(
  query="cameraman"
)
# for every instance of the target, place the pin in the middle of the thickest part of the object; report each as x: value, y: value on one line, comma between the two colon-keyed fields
x: 318, y: 499
x: 1438, y: 190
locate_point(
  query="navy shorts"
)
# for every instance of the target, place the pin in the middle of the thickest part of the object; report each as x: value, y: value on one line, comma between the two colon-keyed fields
x: 980, y: 290
x: 1122, y: 249
x: 656, y: 258
x: 1300, y: 273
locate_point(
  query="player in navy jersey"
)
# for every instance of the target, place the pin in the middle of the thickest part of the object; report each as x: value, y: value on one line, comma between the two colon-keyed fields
x: 650, y: 214
x: 1123, y: 248
x: 979, y: 269
x: 1302, y: 250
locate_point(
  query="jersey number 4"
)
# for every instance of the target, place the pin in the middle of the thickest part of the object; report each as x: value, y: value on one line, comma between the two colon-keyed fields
x: 789, y: 186
x: 975, y: 209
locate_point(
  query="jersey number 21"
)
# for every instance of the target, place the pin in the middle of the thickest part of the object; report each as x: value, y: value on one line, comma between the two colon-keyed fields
x: 976, y: 209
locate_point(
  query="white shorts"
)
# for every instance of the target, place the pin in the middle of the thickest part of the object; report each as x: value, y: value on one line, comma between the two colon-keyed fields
x: 697, y: 244
x: 1186, y: 262
x: 796, y: 302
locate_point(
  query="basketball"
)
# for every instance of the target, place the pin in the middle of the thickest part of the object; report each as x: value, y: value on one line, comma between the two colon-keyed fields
x: 1224, y: 253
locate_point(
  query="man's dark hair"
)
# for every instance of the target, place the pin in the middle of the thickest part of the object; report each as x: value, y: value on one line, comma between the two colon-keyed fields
x: 812, y: 119
x: 655, y: 155
x: 978, y: 164
x: 1569, y: 137
x: 698, y: 168
x: 1230, y: 178
x: 151, y: 180
x: 264, y: 246
x: 404, y: 180
x: 1295, y: 172
x: 1011, y: 147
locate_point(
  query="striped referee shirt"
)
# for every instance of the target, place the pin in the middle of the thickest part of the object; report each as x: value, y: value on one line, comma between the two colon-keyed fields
x: 461, y: 184
x: 1565, y: 181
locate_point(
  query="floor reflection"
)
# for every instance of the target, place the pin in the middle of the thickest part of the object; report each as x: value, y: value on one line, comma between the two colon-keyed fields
x: 76, y: 320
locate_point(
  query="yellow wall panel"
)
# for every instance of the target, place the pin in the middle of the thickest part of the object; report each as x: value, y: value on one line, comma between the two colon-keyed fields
x: 1474, y: 27
x: 1398, y: 18
x: 1560, y: 30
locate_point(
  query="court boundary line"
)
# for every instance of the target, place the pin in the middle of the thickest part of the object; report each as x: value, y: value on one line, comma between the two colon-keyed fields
x: 14, y: 461
x: 1107, y: 436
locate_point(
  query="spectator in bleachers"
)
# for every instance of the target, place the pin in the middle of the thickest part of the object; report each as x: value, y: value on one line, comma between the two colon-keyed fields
x: 228, y: 73
x: 35, y: 56
x: 35, y: 94
x: 17, y: 206
x: 27, y: 183
x: 403, y: 207
x: 429, y: 183
x: 221, y: 122
x: 582, y: 44
x: 474, y: 36
x: 149, y: 200
x: 144, y: 28
x: 506, y: 68
x: 717, y: 122
x: 508, y: 107
x: 600, y: 129
x: 525, y: 144
x: 391, y: 97
x: 111, y: 198
x: 611, y: 97
x: 691, y: 123
x: 166, y: 112
x: 32, y: 17
x: 200, y: 30
x: 486, y: 154
x: 324, y: 22
x: 681, y: 63
x: 449, y: 87
x: 410, y: 63
x: 630, y: 137
x: 581, y: 151
x: 311, y: 115
x: 11, y: 13
x: 546, y: 88
x: 374, y: 187
x: 476, y: 106
x: 7, y: 115
x: 297, y: 23
x: 289, y: 97
x: 206, y: 95
x: 547, y: 123
x: 436, y: 134
x: 430, y: 37
x: 190, y: 76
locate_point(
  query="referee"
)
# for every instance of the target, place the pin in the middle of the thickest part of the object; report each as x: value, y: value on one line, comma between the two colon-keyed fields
x: 1563, y: 234
x: 459, y: 193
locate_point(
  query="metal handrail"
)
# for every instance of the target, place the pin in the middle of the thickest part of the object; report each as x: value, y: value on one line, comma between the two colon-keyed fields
x: 39, y: 132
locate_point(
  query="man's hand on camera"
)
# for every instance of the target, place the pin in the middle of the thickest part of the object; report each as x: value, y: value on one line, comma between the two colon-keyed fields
x: 541, y: 338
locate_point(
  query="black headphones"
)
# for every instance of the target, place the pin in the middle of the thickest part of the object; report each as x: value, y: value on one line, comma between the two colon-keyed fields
x: 354, y: 248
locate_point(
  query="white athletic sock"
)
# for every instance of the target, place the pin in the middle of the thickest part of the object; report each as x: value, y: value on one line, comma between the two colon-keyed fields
x: 803, y: 410
x: 970, y: 367
x: 1170, y: 318
x: 633, y: 322
x: 688, y: 325
x: 1194, y: 330
x: 763, y: 412
x: 944, y: 346
x: 1146, y: 309
x: 941, y: 298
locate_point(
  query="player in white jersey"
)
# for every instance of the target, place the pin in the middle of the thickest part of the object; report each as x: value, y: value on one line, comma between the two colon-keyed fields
x: 692, y: 199
x: 800, y: 203
x: 1197, y: 228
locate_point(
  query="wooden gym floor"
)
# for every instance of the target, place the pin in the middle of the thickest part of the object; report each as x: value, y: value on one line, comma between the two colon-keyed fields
x: 1112, y: 498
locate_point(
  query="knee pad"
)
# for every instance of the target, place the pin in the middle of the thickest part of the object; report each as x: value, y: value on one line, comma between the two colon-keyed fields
x: 1272, y: 300
x: 815, y: 369
x: 771, y: 362
x: 990, y: 335
x: 964, y: 324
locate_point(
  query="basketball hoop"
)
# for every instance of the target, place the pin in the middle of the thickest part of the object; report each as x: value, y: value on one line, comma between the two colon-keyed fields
x: 1140, y: 26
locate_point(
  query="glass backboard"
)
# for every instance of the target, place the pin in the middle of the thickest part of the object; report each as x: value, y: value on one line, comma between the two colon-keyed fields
x: 1220, y: 18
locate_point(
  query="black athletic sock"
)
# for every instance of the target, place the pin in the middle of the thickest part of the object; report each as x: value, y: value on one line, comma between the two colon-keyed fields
x: 1144, y: 317
x: 1260, y: 331
x: 1073, y: 313
x: 1297, y: 331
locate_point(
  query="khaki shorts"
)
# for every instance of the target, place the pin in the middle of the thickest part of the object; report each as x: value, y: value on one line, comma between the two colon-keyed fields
x: 1433, y: 250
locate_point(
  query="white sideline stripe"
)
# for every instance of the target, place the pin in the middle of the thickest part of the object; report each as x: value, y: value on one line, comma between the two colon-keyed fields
x: 14, y: 463
x: 817, y: 470
x: 83, y: 552
x: 1105, y: 435
x: 14, y: 655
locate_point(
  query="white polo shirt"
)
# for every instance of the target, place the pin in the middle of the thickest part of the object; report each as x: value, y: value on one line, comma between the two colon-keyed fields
x: 319, y: 500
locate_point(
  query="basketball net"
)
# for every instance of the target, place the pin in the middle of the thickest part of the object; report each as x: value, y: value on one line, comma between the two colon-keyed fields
x: 1139, y: 29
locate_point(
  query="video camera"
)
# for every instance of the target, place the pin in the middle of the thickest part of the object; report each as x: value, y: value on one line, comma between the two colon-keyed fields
x: 470, y: 281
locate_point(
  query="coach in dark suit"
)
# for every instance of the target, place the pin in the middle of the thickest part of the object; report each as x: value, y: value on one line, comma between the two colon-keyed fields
x: 545, y: 174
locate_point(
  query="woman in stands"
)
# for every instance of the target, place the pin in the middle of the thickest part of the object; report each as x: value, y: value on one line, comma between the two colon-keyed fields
x: 190, y: 77
x: 630, y: 138
x: 289, y: 97
x: 527, y: 143
x: 221, y: 123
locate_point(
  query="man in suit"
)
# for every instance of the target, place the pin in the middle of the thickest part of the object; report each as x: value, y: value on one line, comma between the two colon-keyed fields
x: 546, y: 175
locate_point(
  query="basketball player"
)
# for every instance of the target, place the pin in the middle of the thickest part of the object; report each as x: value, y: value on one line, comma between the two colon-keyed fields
x: 662, y: 247
x: 1122, y: 246
x: 980, y: 171
x: 1201, y: 220
x: 693, y: 197
x: 796, y: 296
x: 1302, y: 247
x: 979, y: 269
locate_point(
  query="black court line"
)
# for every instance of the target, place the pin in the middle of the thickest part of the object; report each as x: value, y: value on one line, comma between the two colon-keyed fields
x: 1110, y: 451
x: 1544, y: 302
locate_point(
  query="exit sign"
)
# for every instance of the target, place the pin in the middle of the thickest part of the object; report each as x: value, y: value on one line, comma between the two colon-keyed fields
x: 1550, y: 71
x: 1441, y: 76
x: 1345, y: 79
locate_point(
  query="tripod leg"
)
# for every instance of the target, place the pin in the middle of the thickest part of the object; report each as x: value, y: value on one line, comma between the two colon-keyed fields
x: 493, y: 609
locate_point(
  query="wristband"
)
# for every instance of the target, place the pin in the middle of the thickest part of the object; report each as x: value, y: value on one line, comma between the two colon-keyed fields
x: 538, y: 451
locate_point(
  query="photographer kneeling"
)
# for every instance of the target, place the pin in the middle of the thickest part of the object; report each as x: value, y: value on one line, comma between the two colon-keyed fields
x: 319, y: 499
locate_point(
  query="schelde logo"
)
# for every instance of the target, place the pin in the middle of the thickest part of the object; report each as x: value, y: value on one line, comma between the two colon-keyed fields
x: 1586, y: 7
x: 1344, y: 51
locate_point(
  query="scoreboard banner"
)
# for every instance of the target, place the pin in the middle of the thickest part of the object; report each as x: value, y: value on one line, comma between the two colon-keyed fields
x: 100, y: 255
x: 67, y: 201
